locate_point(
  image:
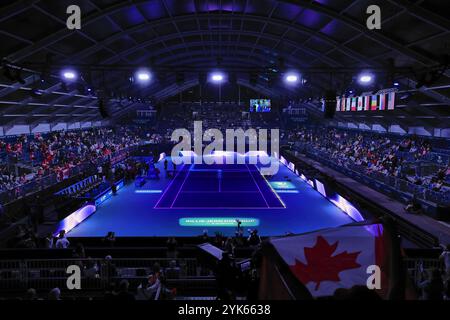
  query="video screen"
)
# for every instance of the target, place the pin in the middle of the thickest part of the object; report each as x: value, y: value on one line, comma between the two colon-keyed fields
x: 260, y: 105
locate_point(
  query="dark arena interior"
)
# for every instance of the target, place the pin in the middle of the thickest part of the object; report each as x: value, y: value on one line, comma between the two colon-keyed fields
x: 225, y: 150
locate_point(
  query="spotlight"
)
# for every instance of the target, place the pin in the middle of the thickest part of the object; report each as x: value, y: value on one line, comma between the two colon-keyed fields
x: 143, y: 76
x: 365, y: 78
x: 69, y: 75
x: 396, y: 84
x: 291, y: 78
x: 217, y: 77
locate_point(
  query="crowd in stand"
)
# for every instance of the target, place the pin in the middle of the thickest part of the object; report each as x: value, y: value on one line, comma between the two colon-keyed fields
x: 374, y: 153
x: 58, y: 152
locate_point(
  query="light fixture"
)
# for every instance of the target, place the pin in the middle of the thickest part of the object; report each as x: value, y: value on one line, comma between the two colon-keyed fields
x: 291, y: 78
x: 143, y: 76
x: 217, y: 77
x: 365, y: 78
x: 69, y: 75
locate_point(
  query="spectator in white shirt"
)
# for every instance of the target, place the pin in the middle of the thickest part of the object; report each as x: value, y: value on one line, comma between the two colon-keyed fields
x: 62, y: 242
x: 150, y: 289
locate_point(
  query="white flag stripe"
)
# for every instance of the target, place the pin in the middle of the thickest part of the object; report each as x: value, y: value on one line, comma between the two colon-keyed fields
x: 349, y: 239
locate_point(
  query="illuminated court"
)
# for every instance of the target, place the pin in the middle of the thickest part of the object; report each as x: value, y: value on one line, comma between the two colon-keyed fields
x: 231, y: 186
x: 212, y: 197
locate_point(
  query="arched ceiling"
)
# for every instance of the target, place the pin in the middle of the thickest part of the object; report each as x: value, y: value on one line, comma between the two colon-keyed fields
x: 184, y: 34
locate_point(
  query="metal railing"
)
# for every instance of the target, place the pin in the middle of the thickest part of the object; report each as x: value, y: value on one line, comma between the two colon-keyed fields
x: 18, y: 275
x: 418, y: 268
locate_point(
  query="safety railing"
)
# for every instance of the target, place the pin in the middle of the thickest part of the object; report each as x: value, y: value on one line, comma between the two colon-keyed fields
x: 419, y: 268
x: 95, y: 273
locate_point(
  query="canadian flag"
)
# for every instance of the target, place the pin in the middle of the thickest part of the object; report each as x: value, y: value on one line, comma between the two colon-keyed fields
x: 334, y: 258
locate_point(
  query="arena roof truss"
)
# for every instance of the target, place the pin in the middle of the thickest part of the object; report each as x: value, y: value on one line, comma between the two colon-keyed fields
x: 321, y: 39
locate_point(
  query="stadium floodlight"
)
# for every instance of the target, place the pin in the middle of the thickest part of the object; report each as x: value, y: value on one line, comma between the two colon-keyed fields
x: 217, y: 77
x: 143, y: 76
x: 291, y: 78
x: 69, y: 75
x: 365, y: 78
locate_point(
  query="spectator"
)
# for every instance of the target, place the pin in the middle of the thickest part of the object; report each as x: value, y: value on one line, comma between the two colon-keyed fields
x: 49, y: 241
x: 445, y: 257
x: 172, y: 272
x: 110, y: 293
x: 79, y: 251
x: 110, y: 239
x: 254, y: 238
x: 91, y: 269
x: 414, y: 206
x: 109, y: 269
x: 31, y: 295
x: 433, y: 288
x: 123, y: 293
x: 54, y: 294
x: 149, y: 289
x: 171, y: 248
x: 62, y: 242
x: 165, y: 293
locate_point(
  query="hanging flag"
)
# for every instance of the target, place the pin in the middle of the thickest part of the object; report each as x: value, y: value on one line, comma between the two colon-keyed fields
x: 338, y: 104
x: 366, y: 103
x: 382, y: 105
x: 374, y: 103
x: 391, y: 101
x: 360, y: 103
x: 353, y: 104
x: 349, y: 102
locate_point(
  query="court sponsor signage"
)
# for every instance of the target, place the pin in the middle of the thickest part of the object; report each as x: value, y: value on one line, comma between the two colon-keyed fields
x: 218, y: 222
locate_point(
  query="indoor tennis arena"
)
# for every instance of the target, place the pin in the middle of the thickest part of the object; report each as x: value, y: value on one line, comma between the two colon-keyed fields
x: 224, y: 151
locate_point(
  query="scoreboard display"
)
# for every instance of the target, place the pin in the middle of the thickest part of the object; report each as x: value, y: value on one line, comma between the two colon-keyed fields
x: 375, y: 102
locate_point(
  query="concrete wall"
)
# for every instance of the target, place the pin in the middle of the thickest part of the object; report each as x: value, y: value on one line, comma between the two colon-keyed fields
x: 47, y: 127
x: 422, y: 131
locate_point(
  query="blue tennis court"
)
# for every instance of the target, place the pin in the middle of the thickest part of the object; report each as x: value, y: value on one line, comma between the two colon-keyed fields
x: 230, y: 186
x: 212, y: 197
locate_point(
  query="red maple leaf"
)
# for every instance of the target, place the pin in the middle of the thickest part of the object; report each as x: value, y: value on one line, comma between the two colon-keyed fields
x: 321, y: 265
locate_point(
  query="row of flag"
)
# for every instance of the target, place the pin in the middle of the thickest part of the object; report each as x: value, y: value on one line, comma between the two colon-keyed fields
x: 383, y: 101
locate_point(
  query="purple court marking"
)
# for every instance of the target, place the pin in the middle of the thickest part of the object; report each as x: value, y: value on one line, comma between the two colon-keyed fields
x: 170, y: 184
x: 260, y: 192
x: 179, y: 190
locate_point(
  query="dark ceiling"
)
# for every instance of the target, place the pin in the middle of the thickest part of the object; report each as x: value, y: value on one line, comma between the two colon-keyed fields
x: 245, y: 36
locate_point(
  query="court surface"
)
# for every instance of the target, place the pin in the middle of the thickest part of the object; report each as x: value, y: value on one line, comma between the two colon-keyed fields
x: 235, y: 186
x: 203, y: 197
